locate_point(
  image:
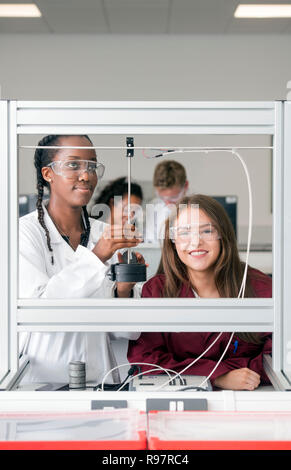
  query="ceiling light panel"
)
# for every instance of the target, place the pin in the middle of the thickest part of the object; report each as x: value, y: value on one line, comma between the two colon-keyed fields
x: 19, y: 10
x: 263, y: 11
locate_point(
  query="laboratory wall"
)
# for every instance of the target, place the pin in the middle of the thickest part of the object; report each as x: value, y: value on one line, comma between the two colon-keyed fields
x: 159, y: 67
x: 134, y: 67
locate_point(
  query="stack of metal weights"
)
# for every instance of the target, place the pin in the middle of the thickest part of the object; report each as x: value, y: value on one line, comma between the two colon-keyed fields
x: 77, y: 375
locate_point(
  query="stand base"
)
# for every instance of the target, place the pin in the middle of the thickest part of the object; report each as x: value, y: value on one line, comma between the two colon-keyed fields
x: 133, y: 272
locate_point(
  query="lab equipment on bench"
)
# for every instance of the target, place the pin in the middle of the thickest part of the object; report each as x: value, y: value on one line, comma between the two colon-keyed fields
x: 77, y: 375
x: 148, y: 383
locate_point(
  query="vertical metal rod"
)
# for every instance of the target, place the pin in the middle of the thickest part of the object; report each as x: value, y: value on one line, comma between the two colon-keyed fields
x: 4, y: 267
x: 13, y: 234
x: 128, y: 200
x: 286, y: 220
x: 278, y: 237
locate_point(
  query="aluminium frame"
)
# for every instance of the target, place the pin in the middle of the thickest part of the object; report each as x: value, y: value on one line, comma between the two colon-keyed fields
x: 133, y: 118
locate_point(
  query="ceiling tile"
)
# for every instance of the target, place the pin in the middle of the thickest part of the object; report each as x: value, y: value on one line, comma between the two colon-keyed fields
x: 257, y: 26
x: 287, y: 29
x: 74, y: 17
x: 23, y: 26
x: 142, y: 17
x: 67, y: 3
x: 137, y: 17
x: 201, y: 16
x: 136, y: 3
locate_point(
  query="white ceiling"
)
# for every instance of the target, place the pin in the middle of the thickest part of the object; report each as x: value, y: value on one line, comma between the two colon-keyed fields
x: 142, y: 17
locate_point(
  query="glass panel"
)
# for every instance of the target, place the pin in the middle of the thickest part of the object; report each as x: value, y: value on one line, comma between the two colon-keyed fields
x: 54, y: 265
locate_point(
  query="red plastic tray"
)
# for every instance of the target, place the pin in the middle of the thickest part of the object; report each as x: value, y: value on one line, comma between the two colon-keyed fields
x: 95, y: 430
x: 163, y: 425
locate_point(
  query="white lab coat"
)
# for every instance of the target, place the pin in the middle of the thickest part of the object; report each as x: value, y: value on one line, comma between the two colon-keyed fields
x: 74, y: 274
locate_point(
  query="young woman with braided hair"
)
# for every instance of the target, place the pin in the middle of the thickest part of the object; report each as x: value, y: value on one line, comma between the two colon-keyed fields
x: 64, y: 254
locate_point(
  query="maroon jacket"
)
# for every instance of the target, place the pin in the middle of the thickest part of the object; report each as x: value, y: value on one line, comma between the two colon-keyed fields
x: 176, y: 350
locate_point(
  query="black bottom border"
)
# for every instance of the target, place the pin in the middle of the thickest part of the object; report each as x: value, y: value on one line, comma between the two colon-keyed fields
x: 143, y: 458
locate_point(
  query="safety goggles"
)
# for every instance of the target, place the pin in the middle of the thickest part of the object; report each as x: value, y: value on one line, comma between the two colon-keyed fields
x: 183, y: 235
x: 172, y: 199
x: 72, y: 169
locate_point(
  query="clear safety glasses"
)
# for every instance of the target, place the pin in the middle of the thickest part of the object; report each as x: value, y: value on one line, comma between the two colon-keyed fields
x: 192, y: 233
x: 173, y: 199
x: 74, y: 168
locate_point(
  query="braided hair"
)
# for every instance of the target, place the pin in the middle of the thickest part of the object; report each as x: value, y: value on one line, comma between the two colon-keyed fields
x: 42, y: 158
x: 118, y: 187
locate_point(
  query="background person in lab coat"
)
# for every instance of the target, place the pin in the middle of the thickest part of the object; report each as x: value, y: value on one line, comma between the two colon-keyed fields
x: 170, y: 184
x: 65, y: 254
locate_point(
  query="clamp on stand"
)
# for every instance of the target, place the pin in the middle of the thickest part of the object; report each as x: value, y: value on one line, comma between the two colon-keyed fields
x: 130, y: 270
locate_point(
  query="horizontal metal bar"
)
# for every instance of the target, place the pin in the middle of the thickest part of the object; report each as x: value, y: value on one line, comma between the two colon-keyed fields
x: 148, y: 104
x: 163, y: 327
x: 143, y: 130
x: 161, y: 303
x: 66, y: 118
x: 145, y: 319
x: 145, y: 117
x: 145, y: 315
x: 181, y: 149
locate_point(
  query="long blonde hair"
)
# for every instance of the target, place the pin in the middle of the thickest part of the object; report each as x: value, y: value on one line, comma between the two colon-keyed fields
x: 228, y: 268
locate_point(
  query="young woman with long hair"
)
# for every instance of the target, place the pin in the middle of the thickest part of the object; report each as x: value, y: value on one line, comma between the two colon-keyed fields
x: 200, y: 260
